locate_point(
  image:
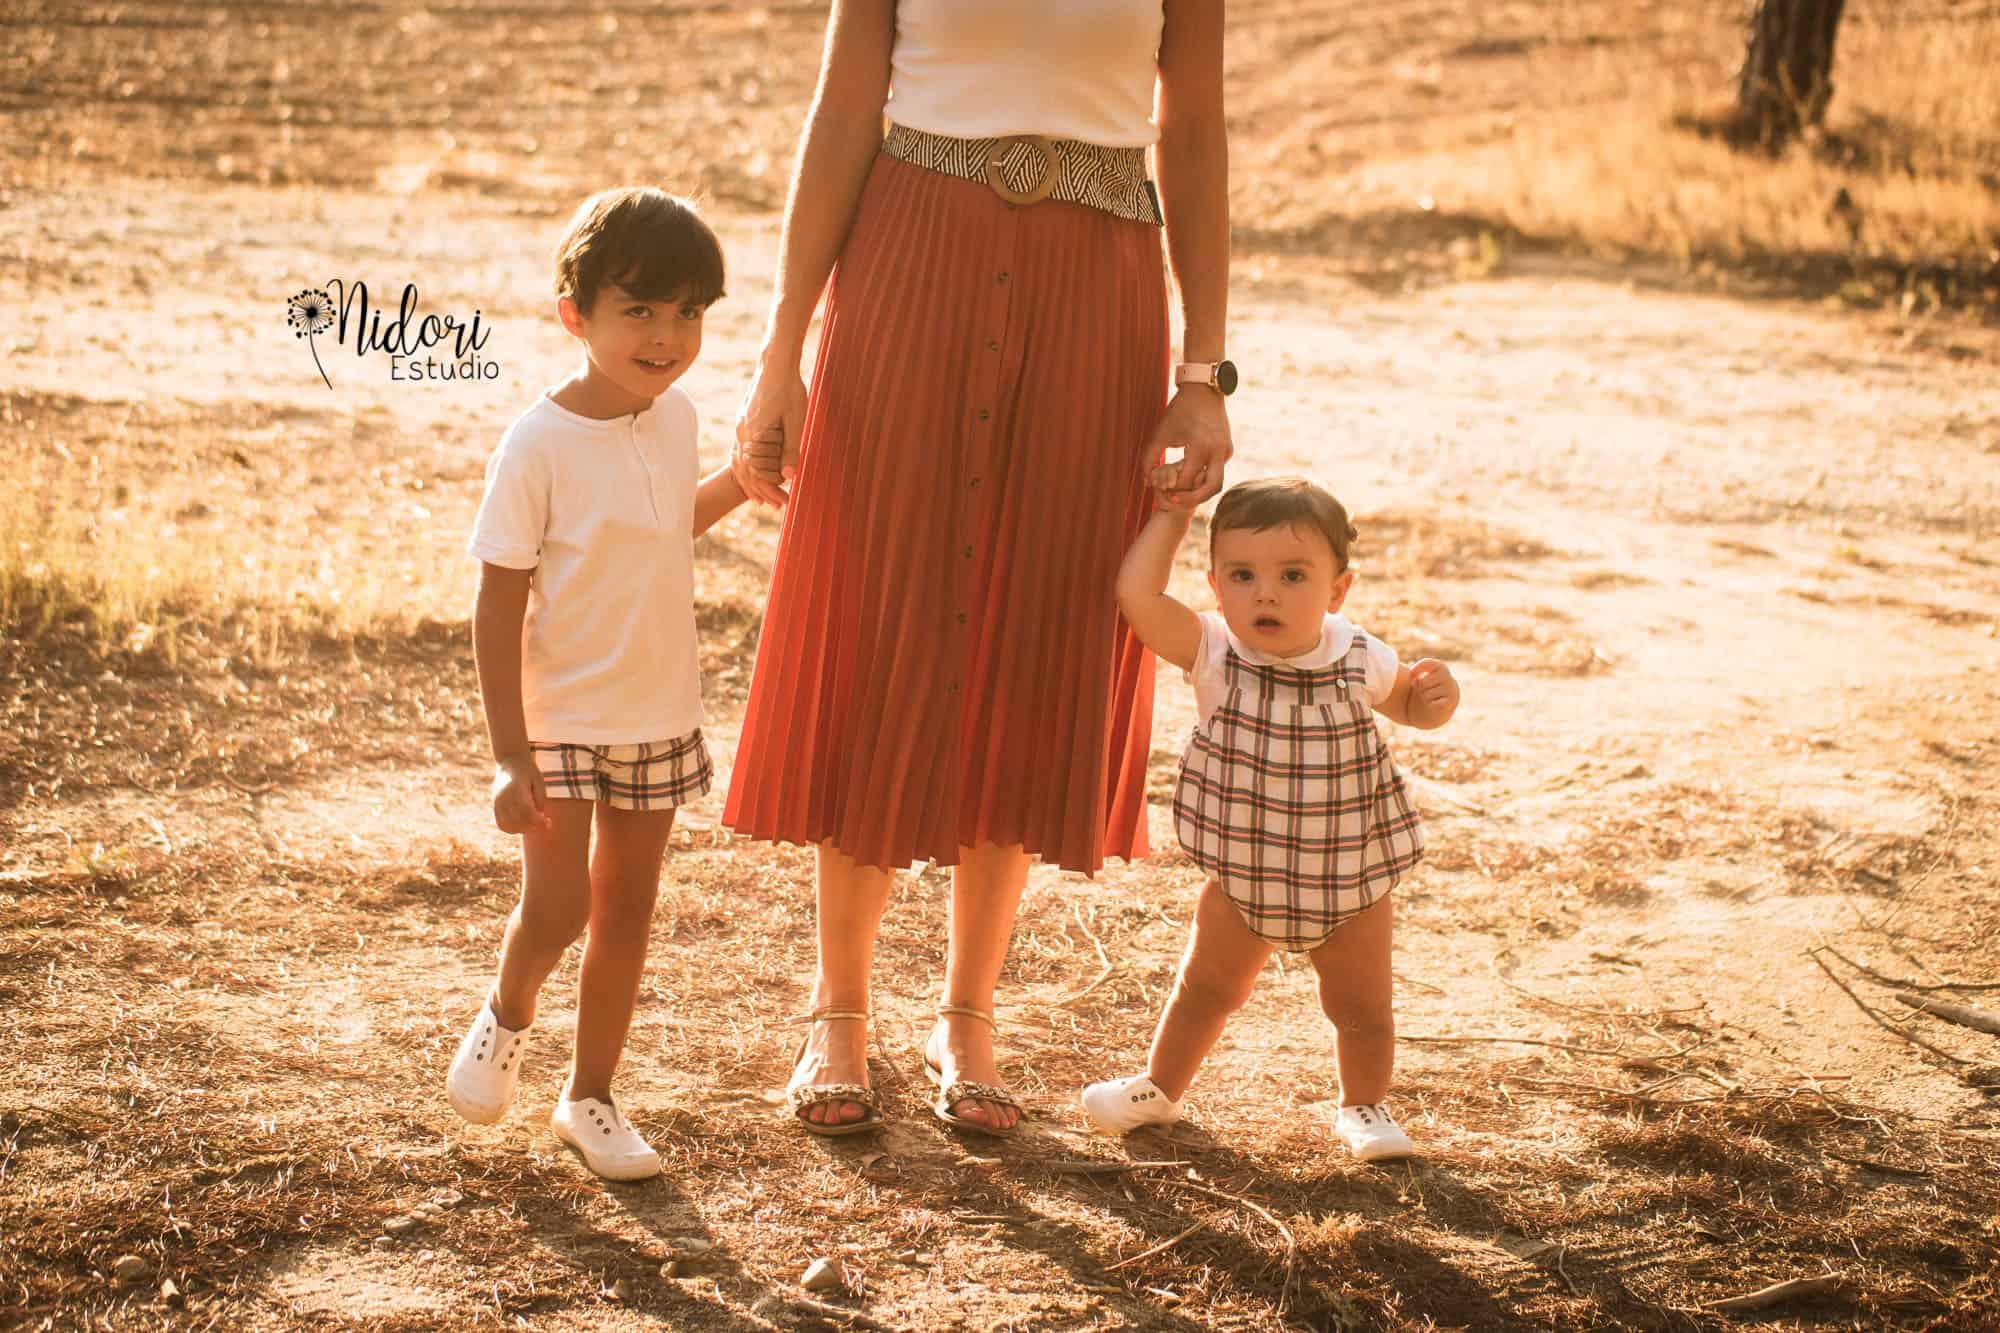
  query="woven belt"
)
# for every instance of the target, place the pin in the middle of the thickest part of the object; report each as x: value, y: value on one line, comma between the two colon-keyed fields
x: 1028, y: 168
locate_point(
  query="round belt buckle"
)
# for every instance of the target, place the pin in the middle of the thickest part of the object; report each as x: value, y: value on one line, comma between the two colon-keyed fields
x: 1035, y: 193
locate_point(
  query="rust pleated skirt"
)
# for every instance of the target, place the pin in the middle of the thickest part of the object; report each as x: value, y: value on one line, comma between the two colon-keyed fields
x: 942, y: 661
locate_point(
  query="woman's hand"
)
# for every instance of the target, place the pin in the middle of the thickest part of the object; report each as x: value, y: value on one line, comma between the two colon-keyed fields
x: 1196, y: 423
x: 767, y: 434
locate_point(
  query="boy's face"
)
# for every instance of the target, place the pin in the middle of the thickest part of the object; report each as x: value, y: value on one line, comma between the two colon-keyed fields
x: 636, y: 348
x: 1275, y: 586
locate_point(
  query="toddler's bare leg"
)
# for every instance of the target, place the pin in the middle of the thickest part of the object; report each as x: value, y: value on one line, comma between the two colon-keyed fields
x: 624, y: 880
x: 1217, y: 973
x: 554, y: 908
x: 1356, y: 991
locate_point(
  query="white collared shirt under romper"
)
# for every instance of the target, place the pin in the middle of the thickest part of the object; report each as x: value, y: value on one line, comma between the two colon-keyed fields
x: 1287, y: 793
x: 603, y: 512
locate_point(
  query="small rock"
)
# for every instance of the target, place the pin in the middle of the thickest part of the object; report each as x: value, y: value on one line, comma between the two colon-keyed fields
x: 823, y: 1274
x: 383, y: 1243
x: 621, y: 1290
x: 690, y: 1247
x: 670, y: 1269
x: 129, y: 1269
x: 170, y: 1293
x: 448, y: 1199
x: 398, y: 1226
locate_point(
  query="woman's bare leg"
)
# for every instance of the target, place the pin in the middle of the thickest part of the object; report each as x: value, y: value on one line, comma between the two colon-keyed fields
x: 1217, y: 974
x: 852, y: 898
x: 986, y: 888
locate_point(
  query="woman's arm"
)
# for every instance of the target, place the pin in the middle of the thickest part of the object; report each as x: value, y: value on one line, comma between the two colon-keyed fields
x: 719, y: 492
x: 519, y: 801
x: 1162, y: 623
x: 842, y: 135
x: 1193, y: 166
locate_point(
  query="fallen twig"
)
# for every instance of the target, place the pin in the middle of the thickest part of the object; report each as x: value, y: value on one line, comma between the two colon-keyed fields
x: 1507, y: 1041
x: 1776, y: 1292
x: 1860, y: 1004
x: 1104, y: 973
x: 1962, y: 1014
x: 1291, y: 1241
x: 839, y: 1314
x: 1902, y: 984
x: 1445, y: 794
x: 1081, y: 1167
x: 1153, y: 1250
x: 1888, y: 1168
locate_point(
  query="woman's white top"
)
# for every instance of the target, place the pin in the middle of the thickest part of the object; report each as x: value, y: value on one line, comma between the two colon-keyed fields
x: 603, y: 512
x: 1210, y: 675
x: 1069, y: 69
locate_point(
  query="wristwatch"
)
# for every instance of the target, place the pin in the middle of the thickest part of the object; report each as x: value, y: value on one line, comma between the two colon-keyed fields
x: 1217, y: 375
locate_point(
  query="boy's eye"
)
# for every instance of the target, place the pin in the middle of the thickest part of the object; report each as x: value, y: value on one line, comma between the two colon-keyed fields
x: 1241, y: 575
x: 693, y: 311
x: 639, y: 311
x: 1295, y: 576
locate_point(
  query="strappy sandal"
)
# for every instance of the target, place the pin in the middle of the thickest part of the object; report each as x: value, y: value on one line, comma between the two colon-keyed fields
x: 802, y: 1097
x: 966, y: 1090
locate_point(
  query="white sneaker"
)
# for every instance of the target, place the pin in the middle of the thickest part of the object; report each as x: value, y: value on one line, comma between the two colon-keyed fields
x: 609, y: 1144
x: 1372, y: 1134
x: 486, y: 1069
x: 1125, y: 1104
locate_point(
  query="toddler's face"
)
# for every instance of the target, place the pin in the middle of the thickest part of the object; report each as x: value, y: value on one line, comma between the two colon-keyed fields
x: 637, y: 347
x: 1275, y: 586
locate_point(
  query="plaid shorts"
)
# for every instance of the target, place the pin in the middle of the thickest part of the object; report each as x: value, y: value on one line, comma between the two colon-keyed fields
x: 655, y: 775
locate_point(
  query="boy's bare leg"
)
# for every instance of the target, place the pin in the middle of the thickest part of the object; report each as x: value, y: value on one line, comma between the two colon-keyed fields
x: 852, y: 898
x: 552, y: 912
x: 1356, y: 991
x: 1217, y: 973
x: 624, y: 880
x: 986, y: 887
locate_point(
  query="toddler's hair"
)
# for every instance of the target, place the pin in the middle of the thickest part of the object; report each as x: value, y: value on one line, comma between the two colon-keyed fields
x: 1257, y: 505
x: 651, y: 243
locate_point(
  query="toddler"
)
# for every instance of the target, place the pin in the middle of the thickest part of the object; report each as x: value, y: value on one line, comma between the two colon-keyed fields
x: 1287, y: 797
x: 584, y: 636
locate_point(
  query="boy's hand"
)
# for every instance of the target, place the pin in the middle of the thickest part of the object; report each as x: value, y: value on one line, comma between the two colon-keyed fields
x: 1433, y: 693
x: 771, y: 419
x: 520, y: 801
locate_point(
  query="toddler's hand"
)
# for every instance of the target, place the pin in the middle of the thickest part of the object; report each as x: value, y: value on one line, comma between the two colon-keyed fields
x: 520, y: 801
x: 1433, y: 692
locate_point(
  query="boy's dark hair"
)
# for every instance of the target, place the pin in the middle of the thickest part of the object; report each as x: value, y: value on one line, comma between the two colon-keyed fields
x: 651, y: 243
x: 1257, y: 505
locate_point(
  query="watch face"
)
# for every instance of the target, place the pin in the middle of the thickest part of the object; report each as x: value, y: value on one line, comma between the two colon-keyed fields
x: 1225, y: 377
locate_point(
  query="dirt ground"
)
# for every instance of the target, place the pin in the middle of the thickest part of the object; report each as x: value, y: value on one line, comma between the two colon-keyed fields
x: 1720, y: 577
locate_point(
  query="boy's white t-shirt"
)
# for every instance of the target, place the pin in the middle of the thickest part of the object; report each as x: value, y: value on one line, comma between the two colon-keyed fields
x: 603, y: 512
x: 1336, y: 636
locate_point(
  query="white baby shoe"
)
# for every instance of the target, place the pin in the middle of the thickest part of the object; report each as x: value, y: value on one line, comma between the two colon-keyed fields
x: 1372, y: 1134
x: 606, y: 1139
x: 486, y: 1069
x: 1125, y: 1104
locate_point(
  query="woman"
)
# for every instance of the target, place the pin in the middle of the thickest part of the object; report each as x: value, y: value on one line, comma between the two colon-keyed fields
x: 942, y: 673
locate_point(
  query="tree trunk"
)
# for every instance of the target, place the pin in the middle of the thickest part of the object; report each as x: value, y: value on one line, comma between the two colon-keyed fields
x: 1787, y: 75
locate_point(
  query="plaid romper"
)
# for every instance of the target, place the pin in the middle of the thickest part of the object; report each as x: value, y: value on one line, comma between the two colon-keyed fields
x: 1287, y: 795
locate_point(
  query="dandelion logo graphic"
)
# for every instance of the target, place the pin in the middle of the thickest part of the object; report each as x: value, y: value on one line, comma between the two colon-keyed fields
x: 310, y: 313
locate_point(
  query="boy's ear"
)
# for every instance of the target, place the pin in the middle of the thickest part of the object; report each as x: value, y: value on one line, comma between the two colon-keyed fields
x: 1341, y: 587
x: 571, y: 317
x: 1213, y: 586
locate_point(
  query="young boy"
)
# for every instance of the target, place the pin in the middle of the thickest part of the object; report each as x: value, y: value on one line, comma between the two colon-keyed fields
x: 1287, y: 796
x: 585, y: 640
